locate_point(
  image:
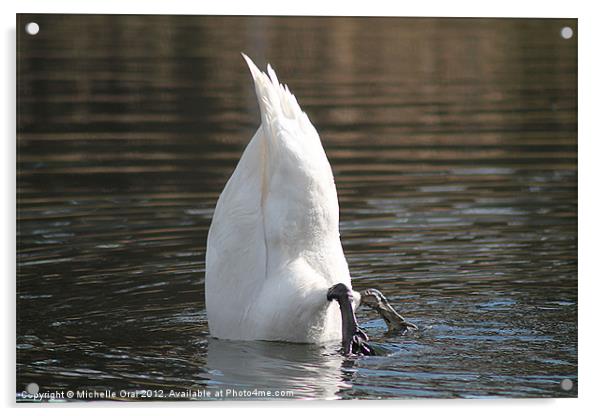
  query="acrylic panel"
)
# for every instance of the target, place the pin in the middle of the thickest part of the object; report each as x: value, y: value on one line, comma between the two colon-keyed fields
x: 453, y: 145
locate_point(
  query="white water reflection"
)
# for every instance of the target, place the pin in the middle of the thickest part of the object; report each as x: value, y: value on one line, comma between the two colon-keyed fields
x: 309, y: 371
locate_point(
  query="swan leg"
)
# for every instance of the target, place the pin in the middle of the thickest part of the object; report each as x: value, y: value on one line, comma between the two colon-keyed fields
x: 354, y: 339
x: 377, y: 301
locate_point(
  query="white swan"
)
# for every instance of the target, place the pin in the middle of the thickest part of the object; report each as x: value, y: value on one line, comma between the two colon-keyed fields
x: 274, y: 258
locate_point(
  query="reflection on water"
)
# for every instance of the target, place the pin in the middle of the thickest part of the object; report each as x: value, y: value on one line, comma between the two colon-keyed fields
x: 453, y: 143
x: 306, y: 370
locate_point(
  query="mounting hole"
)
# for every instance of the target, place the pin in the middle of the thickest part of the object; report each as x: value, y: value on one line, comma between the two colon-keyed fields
x: 32, y: 28
x: 33, y: 388
x: 566, y: 32
x: 566, y: 384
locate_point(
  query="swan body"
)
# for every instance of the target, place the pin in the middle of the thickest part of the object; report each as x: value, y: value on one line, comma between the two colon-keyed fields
x: 273, y: 248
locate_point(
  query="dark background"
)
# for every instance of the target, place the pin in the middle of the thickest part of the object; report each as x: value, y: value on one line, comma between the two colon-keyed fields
x: 454, y: 148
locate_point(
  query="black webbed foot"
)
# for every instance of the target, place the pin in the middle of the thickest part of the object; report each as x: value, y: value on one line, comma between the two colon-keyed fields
x: 359, y: 344
x: 377, y: 301
x: 354, y: 339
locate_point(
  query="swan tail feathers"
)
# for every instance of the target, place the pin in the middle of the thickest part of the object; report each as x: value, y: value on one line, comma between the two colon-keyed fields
x: 276, y: 102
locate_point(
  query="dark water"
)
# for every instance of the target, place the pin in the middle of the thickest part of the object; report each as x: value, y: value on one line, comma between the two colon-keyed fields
x: 454, y: 148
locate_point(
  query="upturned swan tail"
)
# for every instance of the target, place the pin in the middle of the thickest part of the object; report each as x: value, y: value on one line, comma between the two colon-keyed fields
x: 273, y: 248
x: 276, y: 102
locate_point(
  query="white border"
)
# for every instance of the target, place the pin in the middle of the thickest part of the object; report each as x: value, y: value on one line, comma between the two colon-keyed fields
x: 590, y: 136
x: 460, y: 8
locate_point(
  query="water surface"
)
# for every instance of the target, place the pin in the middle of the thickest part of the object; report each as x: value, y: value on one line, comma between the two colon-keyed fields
x: 454, y: 148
